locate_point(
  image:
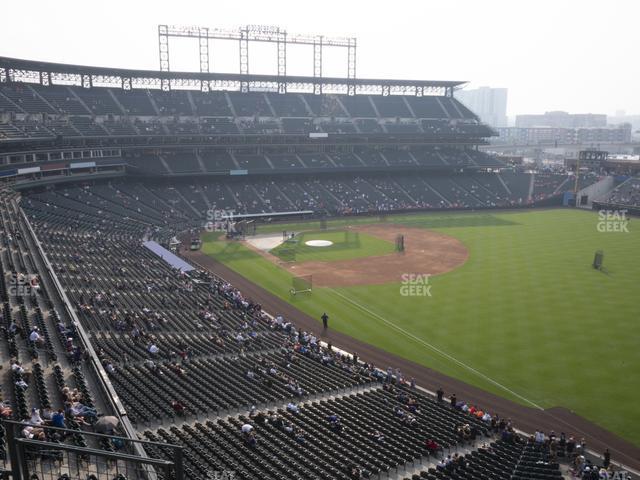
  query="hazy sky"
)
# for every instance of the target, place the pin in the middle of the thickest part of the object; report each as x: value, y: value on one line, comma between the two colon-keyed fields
x: 575, y: 55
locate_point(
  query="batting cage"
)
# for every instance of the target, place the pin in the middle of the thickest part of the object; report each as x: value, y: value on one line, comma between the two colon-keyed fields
x: 301, y: 284
x: 246, y: 227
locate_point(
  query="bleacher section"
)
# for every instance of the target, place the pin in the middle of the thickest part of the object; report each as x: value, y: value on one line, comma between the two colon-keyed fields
x: 42, y: 348
x: 504, y: 459
x: 547, y: 184
x: 332, y: 193
x: 192, y: 351
x: 626, y: 194
x: 218, y: 112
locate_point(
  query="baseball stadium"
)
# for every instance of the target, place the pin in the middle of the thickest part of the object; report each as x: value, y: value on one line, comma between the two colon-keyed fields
x: 241, y: 276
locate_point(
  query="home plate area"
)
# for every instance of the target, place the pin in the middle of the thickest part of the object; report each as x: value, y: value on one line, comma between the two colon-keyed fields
x: 265, y: 242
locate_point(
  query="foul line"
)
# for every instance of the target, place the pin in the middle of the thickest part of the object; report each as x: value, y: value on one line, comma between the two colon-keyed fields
x: 436, y: 349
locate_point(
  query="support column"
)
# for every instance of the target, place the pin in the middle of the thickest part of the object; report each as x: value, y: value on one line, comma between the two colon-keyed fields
x: 203, y: 44
x: 317, y: 64
x: 163, y: 47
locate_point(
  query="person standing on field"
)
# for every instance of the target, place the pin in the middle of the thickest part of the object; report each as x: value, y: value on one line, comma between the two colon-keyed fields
x: 325, y: 320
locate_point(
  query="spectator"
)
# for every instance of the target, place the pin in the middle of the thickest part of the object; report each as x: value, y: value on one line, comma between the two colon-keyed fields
x: 36, y: 338
x: 58, y: 420
x: 20, y: 383
x: 389, y: 375
x: 247, y: 428
x: 432, y: 446
x: 553, y: 449
x: 251, y: 440
x: 5, y: 410
x: 36, y: 419
x: 110, y: 368
x: 79, y: 410
x: 539, y: 439
x: 178, y: 407
x: 571, y: 446
x: 16, y: 367
x: 34, y: 433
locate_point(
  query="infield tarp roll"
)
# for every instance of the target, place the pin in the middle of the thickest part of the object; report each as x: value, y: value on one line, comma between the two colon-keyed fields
x: 167, y: 256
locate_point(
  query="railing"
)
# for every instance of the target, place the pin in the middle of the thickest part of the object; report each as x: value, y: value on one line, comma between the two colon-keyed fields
x: 103, y: 382
x: 31, y: 459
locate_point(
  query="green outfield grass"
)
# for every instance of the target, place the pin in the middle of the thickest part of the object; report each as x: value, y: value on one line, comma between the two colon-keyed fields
x: 346, y: 245
x: 525, y: 317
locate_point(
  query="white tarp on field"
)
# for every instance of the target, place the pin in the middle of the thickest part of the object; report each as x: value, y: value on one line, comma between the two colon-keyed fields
x: 265, y: 242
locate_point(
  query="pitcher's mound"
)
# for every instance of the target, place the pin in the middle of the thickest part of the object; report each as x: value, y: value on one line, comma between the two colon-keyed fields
x: 319, y: 243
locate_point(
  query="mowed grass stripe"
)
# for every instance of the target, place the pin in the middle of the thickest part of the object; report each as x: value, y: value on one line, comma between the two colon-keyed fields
x: 436, y: 349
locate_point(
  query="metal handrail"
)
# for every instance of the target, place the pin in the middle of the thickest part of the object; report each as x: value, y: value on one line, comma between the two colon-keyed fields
x: 94, y: 451
x: 91, y: 434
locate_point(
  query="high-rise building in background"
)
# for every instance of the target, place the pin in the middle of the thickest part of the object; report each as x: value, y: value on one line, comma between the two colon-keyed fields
x: 490, y: 104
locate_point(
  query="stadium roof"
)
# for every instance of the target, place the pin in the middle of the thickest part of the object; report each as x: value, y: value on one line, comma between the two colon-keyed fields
x: 15, y: 69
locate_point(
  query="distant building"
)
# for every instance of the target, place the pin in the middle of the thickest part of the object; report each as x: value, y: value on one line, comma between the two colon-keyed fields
x: 490, y: 104
x: 611, y: 134
x: 564, y: 136
x: 562, y: 120
x: 634, y: 120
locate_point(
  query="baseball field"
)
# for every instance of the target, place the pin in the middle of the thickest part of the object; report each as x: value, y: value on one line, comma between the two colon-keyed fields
x: 506, y: 301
